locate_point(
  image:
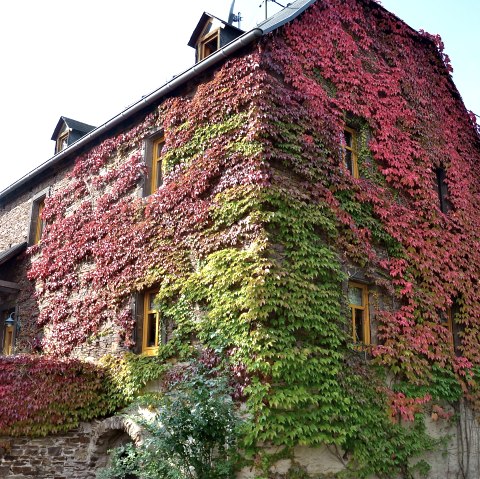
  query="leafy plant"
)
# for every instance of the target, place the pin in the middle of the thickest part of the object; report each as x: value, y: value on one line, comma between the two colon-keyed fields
x: 191, y: 432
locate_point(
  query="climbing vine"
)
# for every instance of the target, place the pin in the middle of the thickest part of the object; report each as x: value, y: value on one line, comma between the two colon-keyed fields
x: 258, y: 226
x: 42, y: 395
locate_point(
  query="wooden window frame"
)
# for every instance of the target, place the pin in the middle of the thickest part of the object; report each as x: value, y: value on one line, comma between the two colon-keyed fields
x: 365, y: 313
x: 37, y: 225
x: 40, y: 224
x: 154, y: 163
x: 8, y: 341
x: 9, y: 333
x: 63, y: 137
x: 202, y: 54
x: 446, y: 320
x: 156, y: 179
x: 353, y: 150
x: 160, y: 332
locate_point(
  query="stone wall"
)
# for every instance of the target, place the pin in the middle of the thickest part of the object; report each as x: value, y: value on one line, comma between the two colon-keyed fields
x: 28, y: 333
x: 82, y: 452
x: 15, y: 228
x: 15, y: 213
x: 75, y: 455
x: 457, y: 454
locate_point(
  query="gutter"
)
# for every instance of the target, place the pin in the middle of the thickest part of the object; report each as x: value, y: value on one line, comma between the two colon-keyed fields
x: 146, y: 101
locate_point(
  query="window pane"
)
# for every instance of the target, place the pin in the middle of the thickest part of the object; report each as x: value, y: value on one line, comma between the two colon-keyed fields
x: 355, y: 295
x: 359, y: 336
x: 151, y: 301
x: 348, y: 138
x: 151, y: 330
x: 348, y: 161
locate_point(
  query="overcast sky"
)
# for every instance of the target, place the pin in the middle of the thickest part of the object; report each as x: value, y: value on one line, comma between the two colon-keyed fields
x: 89, y: 60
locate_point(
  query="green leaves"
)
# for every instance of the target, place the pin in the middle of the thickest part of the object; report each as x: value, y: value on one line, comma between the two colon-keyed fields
x: 191, y: 432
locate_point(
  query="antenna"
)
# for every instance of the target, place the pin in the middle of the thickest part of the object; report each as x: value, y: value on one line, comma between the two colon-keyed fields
x: 231, y: 14
x: 232, y: 18
x: 266, y: 6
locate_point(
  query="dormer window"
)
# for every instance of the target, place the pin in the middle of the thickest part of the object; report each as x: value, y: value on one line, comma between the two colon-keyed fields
x: 62, y: 142
x: 211, y: 34
x: 209, y: 44
x: 68, y: 131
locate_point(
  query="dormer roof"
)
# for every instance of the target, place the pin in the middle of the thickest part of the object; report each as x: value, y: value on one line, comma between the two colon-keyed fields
x: 72, y: 125
x: 68, y: 131
x: 211, y: 34
x: 202, y: 24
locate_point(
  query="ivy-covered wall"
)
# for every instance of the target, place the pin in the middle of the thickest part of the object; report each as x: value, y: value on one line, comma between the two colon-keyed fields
x: 258, y: 227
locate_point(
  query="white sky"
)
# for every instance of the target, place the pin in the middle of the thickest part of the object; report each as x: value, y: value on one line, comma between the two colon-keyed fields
x: 89, y: 60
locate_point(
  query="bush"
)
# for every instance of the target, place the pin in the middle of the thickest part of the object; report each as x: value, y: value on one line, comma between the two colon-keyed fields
x: 192, y: 432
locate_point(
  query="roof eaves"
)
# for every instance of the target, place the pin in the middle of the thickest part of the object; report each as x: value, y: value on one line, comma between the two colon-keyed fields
x: 276, y: 21
x: 12, y: 252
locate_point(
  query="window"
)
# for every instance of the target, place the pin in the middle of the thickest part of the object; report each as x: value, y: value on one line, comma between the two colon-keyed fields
x: 156, y: 179
x: 350, y: 152
x: 446, y: 320
x: 358, y: 301
x: 154, y: 162
x: 40, y: 223
x: 8, y: 334
x: 442, y: 187
x: 208, y: 45
x: 62, y: 142
x: 37, y: 224
x: 153, y: 330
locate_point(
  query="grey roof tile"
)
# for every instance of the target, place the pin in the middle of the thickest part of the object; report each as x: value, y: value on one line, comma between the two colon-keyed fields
x: 289, y: 13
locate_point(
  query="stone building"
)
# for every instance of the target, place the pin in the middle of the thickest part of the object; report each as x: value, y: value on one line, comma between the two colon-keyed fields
x: 302, y: 199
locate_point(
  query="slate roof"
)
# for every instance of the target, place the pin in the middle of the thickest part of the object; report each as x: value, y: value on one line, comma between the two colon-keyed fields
x: 289, y: 13
x: 73, y: 124
x: 12, y: 252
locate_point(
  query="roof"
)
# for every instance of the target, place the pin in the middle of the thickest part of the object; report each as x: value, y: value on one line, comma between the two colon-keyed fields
x: 279, y: 19
x: 289, y: 13
x: 12, y: 252
x: 72, y: 124
x: 201, y: 25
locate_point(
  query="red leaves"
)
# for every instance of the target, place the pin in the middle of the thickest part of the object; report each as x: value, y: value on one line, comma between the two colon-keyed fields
x: 406, y: 408
x: 40, y: 395
x: 345, y: 59
x: 102, y: 241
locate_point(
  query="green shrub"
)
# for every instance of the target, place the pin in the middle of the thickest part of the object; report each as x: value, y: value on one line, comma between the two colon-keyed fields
x: 191, y: 433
